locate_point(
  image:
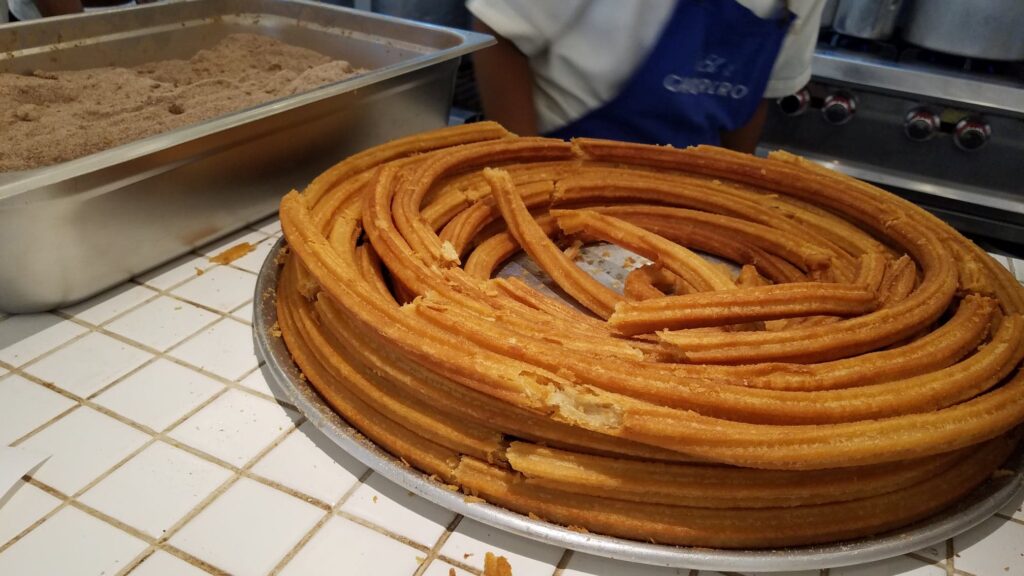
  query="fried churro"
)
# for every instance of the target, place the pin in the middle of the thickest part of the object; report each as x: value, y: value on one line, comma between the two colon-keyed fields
x: 864, y: 363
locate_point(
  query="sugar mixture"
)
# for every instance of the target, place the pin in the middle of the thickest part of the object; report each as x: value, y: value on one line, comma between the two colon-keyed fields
x: 51, y: 117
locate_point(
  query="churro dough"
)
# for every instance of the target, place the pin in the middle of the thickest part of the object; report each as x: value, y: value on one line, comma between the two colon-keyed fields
x: 55, y: 116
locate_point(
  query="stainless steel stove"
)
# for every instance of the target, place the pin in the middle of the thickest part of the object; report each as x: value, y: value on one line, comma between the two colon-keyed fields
x: 946, y: 132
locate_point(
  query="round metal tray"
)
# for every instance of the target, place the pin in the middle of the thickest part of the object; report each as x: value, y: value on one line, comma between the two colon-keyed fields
x: 282, y: 373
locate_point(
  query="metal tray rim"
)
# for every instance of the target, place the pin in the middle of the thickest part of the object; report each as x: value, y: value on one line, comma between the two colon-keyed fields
x: 281, y: 373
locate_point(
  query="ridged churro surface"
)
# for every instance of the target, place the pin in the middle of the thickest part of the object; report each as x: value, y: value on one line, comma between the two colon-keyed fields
x: 857, y: 370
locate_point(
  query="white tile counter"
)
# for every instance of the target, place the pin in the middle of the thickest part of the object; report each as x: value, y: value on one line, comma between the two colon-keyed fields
x: 170, y: 456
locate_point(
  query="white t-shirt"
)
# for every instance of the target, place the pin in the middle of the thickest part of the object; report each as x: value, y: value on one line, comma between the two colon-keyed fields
x: 581, y: 57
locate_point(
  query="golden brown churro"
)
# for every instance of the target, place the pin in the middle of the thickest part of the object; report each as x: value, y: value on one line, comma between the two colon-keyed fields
x: 863, y: 365
x: 741, y: 305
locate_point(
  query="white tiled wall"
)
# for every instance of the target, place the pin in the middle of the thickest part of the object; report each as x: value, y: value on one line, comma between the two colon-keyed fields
x: 171, y: 456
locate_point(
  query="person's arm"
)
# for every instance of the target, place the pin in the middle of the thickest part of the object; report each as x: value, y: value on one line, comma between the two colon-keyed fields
x: 505, y: 82
x: 58, y: 7
x: 746, y: 137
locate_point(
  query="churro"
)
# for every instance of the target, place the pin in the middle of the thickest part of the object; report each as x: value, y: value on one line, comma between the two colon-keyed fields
x: 860, y: 371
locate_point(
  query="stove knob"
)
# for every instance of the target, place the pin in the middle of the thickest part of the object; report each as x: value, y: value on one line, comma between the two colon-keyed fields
x: 971, y: 133
x: 794, y: 104
x: 839, y: 108
x: 921, y: 124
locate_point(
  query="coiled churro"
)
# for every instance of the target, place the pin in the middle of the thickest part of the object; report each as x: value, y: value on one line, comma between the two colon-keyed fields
x: 864, y: 364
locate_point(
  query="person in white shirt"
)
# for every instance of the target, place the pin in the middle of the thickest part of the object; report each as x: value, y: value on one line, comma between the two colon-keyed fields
x: 657, y: 71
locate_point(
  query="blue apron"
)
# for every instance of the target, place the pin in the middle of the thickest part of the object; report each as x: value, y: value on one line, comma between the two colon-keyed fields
x: 706, y: 73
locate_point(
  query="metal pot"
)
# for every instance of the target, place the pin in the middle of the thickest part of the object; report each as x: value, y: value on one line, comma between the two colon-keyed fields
x: 868, y: 19
x: 993, y: 29
x: 828, y: 13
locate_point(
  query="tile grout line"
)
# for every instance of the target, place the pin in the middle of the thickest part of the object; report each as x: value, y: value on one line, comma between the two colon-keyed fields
x: 383, y: 531
x: 162, y: 543
x: 75, y: 397
x: 926, y: 560
x: 1009, y: 518
x: 20, y: 367
x: 311, y: 533
x: 460, y: 564
x: 563, y: 562
x: 950, y: 553
x: 89, y: 403
x: 79, y: 401
x: 63, y: 312
x: 435, y: 550
x: 52, y: 492
x: 155, y: 437
x: 72, y: 501
x: 238, y: 474
x: 14, y: 443
x: 157, y: 355
x: 188, y: 559
x: 162, y: 436
x: 102, y: 329
x: 141, y: 557
x: 27, y: 365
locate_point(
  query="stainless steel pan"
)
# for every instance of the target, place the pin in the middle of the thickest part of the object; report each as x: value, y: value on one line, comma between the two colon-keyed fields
x: 71, y: 230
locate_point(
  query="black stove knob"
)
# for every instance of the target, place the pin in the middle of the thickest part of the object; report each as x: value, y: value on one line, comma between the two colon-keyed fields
x: 921, y: 124
x: 839, y: 108
x: 795, y: 104
x: 971, y: 133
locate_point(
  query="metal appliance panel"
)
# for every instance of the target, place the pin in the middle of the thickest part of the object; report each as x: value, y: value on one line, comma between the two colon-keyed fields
x: 977, y: 191
x: 936, y: 166
x: 73, y: 229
